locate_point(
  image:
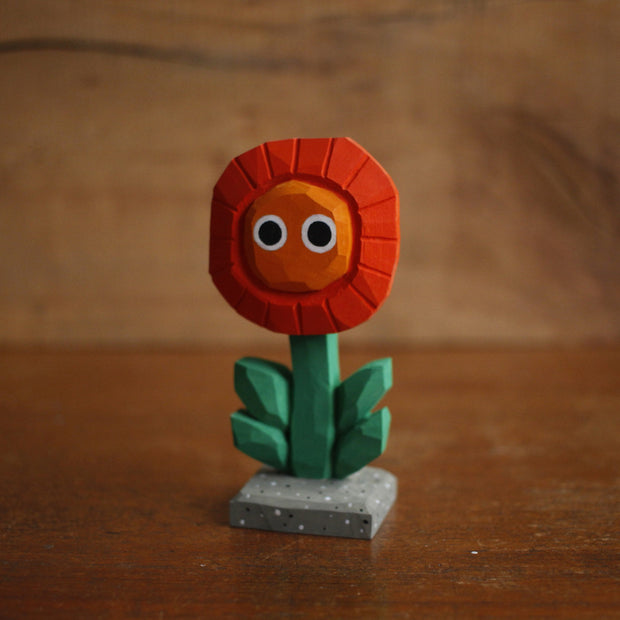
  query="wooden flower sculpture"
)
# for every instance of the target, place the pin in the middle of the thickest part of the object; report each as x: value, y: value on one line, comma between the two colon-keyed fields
x: 304, y: 241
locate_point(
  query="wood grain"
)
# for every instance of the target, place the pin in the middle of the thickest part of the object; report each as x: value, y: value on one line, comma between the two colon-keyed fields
x: 497, y: 120
x: 116, y: 469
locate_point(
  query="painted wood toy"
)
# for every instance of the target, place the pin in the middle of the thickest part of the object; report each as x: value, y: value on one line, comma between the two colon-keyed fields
x: 305, y: 241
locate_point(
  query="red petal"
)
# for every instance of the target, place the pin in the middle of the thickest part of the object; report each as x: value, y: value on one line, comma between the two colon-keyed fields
x: 349, y: 308
x: 381, y: 219
x: 371, y: 185
x: 313, y: 155
x: 232, y: 186
x: 282, y: 318
x: 379, y: 254
x: 253, y: 308
x: 281, y: 154
x: 374, y: 286
x: 347, y: 158
x: 255, y: 165
x: 316, y: 319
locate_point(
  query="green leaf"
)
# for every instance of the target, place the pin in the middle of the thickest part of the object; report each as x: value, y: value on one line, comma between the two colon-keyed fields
x: 264, y: 388
x: 259, y: 440
x: 359, y: 394
x: 362, y: 444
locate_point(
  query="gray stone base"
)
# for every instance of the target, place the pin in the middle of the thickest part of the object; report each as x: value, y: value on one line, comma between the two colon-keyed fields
x: 352, y: 508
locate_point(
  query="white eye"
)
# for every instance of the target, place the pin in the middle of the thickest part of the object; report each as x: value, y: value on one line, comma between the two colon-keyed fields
x: 270, y: 232
x: 318, y: 233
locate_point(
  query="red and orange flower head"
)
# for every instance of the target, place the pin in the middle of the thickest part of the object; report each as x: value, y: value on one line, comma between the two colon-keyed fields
x: 304, y: 235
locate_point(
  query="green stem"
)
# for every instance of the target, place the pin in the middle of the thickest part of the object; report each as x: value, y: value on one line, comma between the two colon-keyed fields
x: 316, y: 375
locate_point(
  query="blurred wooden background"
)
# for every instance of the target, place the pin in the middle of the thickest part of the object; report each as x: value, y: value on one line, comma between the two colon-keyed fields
x: 498, y: 120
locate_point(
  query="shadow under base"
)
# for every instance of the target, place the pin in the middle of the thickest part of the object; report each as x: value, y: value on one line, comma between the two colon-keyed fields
x: 353, y: 507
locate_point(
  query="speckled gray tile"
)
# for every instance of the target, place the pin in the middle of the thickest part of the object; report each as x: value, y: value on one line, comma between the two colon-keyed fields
x: 352, y: 508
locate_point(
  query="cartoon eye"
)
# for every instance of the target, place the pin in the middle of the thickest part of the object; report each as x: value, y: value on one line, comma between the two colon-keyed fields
x: 270, y: 232
x: 318, y: 233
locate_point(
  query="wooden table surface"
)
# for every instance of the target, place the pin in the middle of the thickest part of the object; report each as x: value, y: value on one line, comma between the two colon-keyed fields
x: 116, y: 468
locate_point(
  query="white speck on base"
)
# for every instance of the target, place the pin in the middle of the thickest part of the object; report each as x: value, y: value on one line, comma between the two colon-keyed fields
x: 474, y: 553
x: 347, y: 521
x: 241, y: 521
x: 300, y: 527
x: 202, y: 565
x: 328, y: 498
x: 277, y: 512
x: 248, y: 495
x: 273, y: 483
x: 350, y: 504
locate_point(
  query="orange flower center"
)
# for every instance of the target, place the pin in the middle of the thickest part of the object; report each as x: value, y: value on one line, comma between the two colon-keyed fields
x: 298, y: 237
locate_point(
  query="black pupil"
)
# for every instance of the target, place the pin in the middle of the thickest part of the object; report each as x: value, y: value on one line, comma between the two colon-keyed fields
x: 270, y: 232
x: 319, y: 234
